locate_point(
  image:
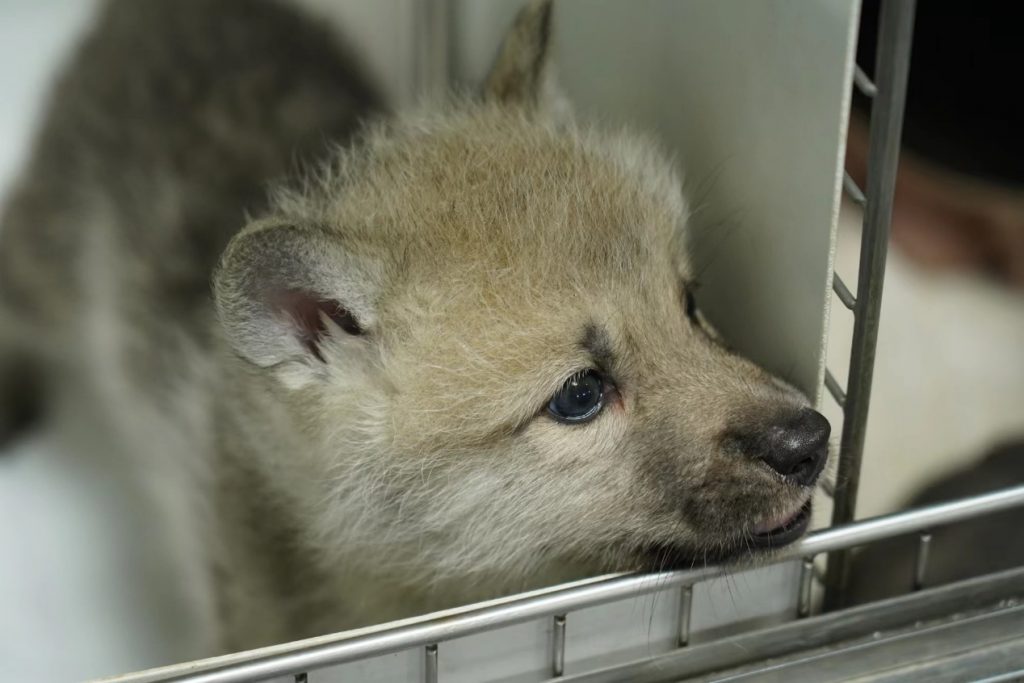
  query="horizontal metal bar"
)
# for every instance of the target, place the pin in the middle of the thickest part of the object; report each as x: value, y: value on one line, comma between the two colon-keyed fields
x: 919, y: 519
x: 853, y: 191
x: 833, y: 388
x: 1015, y: 676
x: 984, y: 593
x: 561, y: 600
x: 843, y: 292
x: 920, y: 653
x: 863, y: 83
x: 1003, y: 659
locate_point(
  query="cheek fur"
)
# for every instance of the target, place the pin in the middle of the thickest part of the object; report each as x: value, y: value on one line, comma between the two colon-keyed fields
x: 594, y: 443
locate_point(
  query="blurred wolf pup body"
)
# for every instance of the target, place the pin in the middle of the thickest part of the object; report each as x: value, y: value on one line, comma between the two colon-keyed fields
x: 449, y: 354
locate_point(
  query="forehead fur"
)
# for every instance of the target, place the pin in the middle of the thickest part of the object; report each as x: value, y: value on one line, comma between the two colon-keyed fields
x: 501, y: 238
x: 492, y: 187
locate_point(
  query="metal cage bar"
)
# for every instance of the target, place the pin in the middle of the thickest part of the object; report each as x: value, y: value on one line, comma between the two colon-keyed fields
x: 892, y: 64
x: 977, y: 625
x: 685, y: 612
x: 431, y: 44
x: 563, y: 600
x: 558, y: 646
x: 430, y: 664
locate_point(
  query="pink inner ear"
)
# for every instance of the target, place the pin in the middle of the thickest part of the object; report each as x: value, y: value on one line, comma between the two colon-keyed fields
x: 306, y: 310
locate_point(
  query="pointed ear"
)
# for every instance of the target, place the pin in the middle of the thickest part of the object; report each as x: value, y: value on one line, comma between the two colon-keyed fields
x: 283, y: 292
x: 522, y: 74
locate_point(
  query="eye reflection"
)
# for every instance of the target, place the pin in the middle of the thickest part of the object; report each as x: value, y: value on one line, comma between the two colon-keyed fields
x: 580, y: 399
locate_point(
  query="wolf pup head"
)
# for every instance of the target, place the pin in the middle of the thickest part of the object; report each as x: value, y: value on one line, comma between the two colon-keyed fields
x: 479, y: 330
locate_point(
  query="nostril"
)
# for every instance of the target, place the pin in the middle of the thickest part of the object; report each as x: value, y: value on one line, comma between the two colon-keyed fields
x: 805, y: 471
x: 800, y: 470
x: 800, y: 467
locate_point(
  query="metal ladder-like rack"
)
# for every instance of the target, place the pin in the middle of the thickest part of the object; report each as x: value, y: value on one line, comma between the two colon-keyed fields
x: 888, y: 95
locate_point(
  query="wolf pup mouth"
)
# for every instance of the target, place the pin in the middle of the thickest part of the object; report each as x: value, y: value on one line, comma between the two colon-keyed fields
x: 777, y: 532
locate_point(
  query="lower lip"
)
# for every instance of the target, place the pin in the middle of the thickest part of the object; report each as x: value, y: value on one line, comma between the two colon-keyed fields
x: 786, y: 534
x: 663, y: 558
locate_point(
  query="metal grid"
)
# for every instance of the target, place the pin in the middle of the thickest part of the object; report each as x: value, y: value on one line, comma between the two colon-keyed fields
x: 1004, y: 591
x: 888, y: 93
x: 928, y: 612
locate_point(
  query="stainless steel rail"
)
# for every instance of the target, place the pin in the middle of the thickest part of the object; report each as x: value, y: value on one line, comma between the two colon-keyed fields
x: 431, y: 24
x: 853, y: 636
x: 560, y: 601
x: 892, y: 64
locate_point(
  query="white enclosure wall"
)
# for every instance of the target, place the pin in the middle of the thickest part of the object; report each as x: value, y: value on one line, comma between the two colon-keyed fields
x: 753, y: 97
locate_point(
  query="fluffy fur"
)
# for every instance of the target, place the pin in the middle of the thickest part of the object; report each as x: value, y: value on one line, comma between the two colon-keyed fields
x: 356, y: 412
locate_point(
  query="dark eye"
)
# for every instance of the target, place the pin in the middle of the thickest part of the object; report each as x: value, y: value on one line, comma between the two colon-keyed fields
x: 580, y: 399
x: 691, y: 305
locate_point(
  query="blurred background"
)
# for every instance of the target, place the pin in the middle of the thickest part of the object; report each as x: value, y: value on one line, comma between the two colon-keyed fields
x: 75, y: 563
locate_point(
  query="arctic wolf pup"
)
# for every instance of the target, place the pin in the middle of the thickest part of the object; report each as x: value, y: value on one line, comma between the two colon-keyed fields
x: 458, y: 355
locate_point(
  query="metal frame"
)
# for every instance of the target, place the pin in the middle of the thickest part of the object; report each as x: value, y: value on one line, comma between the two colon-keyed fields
x: 558, y: 603
x: 888, y: 94
x: 430, y: 37
x: 897, y: 630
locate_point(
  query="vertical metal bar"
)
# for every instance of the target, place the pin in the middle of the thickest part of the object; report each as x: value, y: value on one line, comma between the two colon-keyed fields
x: 803, y: 607
x: 685, y: 609
x: 558, y: 647
x: 892, y: 63
x: 430, y: 664
x: 431, y: 28
x: 924, y: 543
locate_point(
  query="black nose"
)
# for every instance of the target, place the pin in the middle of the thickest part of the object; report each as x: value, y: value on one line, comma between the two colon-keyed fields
x: 795, y: 446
